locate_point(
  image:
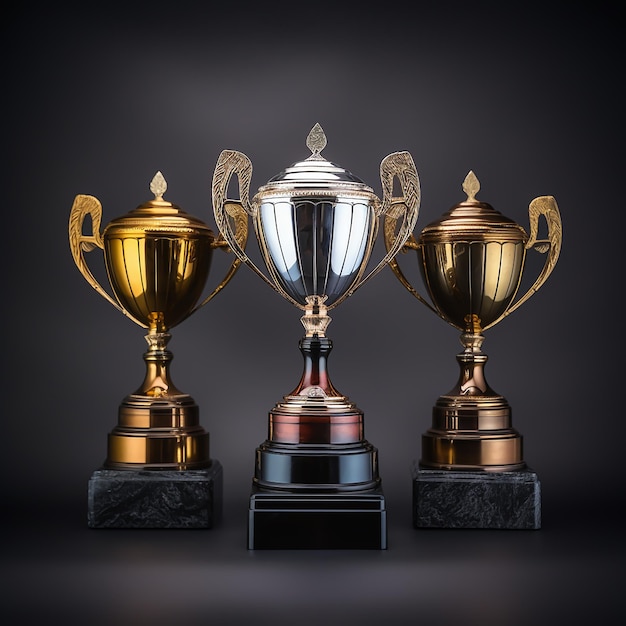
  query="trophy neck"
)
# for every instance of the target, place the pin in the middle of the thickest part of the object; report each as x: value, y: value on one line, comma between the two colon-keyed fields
x: 315, y: 319
x: 157, y: 382
x: 472, y: 382
x: 315, y: 381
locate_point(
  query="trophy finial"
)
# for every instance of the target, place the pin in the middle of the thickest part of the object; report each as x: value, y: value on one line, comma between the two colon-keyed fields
x: 471, y: 186
x: 158, y: 186
x: 316, y: 141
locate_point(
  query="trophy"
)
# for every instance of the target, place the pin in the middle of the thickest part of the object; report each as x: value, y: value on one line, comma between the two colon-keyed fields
x: 316, y: 482
x: 158, y: 472
x: 472, y: 472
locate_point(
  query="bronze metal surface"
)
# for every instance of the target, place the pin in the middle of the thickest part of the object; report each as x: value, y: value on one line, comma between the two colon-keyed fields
x: 472, y: 261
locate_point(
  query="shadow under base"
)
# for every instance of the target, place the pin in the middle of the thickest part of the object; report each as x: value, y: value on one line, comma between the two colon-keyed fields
x: 475, y: 499
x: 343, y: 521
x: 155, y: 498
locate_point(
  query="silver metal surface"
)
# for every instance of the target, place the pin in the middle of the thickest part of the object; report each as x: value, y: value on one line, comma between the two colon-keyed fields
x: 316, y: 247
x: 316, y: 222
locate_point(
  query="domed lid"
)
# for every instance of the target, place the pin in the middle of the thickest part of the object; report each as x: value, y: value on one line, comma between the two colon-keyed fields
x: 314, y: 176
x: 472, y: 220
x: 159, y: 216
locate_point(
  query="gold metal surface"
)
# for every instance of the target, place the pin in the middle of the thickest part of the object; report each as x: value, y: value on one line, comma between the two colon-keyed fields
x: 157, y: 259
x: 472, y: 261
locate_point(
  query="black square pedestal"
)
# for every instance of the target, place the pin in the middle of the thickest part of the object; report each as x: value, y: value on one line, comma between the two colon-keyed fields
x: 155, y: 498
x: 317, y: 521
x: 453, y: 499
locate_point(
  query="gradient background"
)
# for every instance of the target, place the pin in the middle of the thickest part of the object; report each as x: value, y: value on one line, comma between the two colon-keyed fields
x: 98, y: 98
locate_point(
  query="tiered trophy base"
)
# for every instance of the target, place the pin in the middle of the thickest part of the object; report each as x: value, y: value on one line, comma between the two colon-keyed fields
x: 476, y: 499
x: 317, y: 521
x: 153, y: 498
x: 316, y: 483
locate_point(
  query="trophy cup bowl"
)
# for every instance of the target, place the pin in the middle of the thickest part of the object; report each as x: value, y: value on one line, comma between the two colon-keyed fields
x: 316, y: 225
x: 157, y: 259
x: 472, y: 261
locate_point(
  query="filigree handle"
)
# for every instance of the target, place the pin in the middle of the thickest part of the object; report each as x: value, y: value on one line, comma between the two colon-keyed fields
x: 546, y: 206
x: 229, y: 163
x: 411, y: 244
x: 238, y: 216
x: 398, y: 165
x: 88, y: 205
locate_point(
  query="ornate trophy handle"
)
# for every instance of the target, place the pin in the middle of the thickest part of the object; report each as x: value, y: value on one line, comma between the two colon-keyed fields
x: 235, y: 211
x: 411, y: 244
x: 400, y: 165
x: 546, y: 206
x: 89, y: 205
x: 232, y: 162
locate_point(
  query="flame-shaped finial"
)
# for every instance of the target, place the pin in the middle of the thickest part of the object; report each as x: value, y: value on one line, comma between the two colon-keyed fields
x: 471, y: 186
x: 158, y: 186
x: 316, y: 141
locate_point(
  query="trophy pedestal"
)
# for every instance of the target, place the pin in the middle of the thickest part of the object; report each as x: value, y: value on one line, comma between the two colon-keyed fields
x: 317, y: 521
x: 476, y: 499
x: 155, y: 498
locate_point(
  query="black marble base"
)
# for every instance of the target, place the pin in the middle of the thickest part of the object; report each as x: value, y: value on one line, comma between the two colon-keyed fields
x: 155, y: 498
x: 356, y: 520
x: 497, y: 500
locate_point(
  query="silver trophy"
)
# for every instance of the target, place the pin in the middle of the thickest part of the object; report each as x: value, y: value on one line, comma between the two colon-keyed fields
x: 316, y: 480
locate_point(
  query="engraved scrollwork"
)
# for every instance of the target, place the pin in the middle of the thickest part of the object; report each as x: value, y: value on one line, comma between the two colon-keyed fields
x: 390, y: 227
x: 316, y: 142
x: 239, y: 218
x: 229, y: 163
x: 83, y: 206
x: 546, y: 206
x: 405, y: 210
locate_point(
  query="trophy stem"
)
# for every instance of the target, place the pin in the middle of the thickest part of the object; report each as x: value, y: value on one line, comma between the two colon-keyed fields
x: 158, y: 425
x: 315, y: 380
x: 316, y: 482
x: 471, y: 424
x: 157, y: 381
x: 316, y: 435
x: 472, y: 362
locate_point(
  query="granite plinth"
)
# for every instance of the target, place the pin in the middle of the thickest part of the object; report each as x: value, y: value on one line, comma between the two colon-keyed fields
x: 468, y: 499
x: 301, y: 521
x: 155, y: 498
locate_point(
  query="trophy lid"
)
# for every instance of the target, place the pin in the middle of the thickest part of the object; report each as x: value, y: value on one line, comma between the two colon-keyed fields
x: 314, y: 175
x: 472, y: 219
x: 159, y: 216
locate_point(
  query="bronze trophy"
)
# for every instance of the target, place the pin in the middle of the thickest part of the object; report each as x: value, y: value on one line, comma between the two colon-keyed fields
x: 158, y: 472
x: 316, y: 482
x: 472, y: 472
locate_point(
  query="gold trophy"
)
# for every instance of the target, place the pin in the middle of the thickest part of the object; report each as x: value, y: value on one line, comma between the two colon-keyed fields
x: 316, y: 482
x: 472, y: 472
x: 158, y: 471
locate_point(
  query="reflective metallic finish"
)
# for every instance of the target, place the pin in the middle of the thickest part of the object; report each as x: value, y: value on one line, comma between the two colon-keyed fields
x: 316, y: 246
x: 316, y: 225
x: 316, y: 222
x: 472, y: 278
x: 472, y: 261
x: 157, y: 259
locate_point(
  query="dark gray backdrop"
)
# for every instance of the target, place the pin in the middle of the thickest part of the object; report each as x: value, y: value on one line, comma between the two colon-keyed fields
x: 97, y: 100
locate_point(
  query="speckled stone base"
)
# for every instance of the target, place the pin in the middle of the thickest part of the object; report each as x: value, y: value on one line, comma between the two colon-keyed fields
x: 155, y: 498
x: 497, y: 500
